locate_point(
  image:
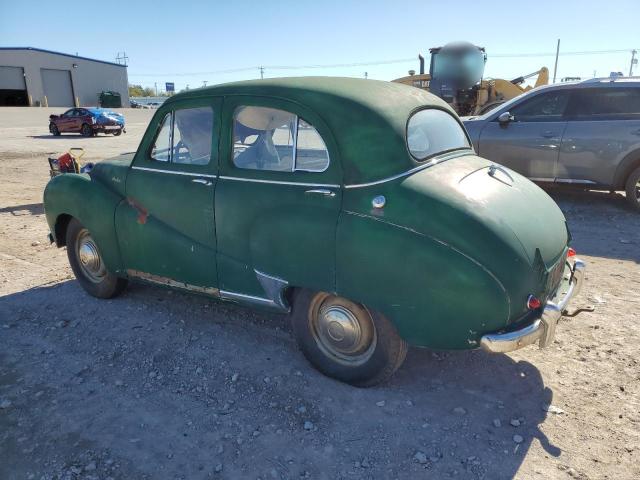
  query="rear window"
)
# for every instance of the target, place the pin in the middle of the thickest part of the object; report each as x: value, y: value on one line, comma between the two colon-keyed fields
x: 433, y: 131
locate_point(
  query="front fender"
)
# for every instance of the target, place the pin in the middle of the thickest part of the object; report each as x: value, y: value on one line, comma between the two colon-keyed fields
x: 92, y: 204
x: 435, y: 295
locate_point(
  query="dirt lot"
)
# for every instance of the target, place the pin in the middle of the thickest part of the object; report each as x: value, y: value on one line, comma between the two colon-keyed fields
x: 162, y: 385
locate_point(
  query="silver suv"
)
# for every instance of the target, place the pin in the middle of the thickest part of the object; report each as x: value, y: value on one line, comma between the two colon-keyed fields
x: 585, y: 133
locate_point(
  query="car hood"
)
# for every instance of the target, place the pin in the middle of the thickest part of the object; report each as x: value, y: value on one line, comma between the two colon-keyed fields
x: 112, y: 172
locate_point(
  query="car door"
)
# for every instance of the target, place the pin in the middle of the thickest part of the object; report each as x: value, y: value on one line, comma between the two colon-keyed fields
x: 603, y: 129
x: 166, y: 226
x: 65, y: 121
x: 530, y: 142
x: 277, y: 200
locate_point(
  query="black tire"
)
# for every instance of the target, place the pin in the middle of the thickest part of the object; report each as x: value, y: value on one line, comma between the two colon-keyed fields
x: 117, y: 133
x: 53, y: 128
x: 86, y: 130
x: 632, y: 189
x: 90, y: 270
x: 371, y: 359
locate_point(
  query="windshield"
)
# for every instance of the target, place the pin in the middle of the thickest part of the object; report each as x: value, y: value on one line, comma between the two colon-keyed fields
x: 464, y: 67
x: 433, y: 131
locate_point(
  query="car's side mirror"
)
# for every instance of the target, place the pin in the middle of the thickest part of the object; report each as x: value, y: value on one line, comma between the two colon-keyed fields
x: 505, y: 117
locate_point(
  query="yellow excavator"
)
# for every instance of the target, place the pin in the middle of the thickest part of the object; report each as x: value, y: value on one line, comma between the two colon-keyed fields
x: 456, y: 75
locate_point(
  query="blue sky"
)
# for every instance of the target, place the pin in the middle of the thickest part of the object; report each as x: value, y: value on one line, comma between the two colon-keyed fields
x: 187, y: 41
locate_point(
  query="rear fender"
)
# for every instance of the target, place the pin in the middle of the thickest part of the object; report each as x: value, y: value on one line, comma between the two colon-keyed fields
x: 93, y: 205
x: 626, y: 166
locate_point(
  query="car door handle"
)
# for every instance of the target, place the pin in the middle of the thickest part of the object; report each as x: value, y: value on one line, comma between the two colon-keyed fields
x: 204, y: 182
x: 548, y: 134
x: 321, y: 191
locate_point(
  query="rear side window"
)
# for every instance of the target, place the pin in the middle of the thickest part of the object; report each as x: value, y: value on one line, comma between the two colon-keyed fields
x: 276, y: 140
x: 545, y: 107
x: 433, y: 131
x: 606, y: 104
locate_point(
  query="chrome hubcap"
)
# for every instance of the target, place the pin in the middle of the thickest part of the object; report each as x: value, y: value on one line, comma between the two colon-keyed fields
x: 638, y: 190
x: 89, y: 256
x: 346, y: 334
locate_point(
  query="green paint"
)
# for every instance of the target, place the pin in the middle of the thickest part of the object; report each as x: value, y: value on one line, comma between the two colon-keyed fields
x: 452, y: 255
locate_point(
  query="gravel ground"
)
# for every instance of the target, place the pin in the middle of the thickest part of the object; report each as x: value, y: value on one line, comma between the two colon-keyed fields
x: 163, y: 385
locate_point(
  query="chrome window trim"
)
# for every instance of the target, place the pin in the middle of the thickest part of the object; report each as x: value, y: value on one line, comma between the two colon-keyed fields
x: 278, y: 182
x: 294, y: 167
x: 172, y: 172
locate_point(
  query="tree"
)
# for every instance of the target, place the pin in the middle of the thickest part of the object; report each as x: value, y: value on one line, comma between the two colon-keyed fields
x: 136, y: 91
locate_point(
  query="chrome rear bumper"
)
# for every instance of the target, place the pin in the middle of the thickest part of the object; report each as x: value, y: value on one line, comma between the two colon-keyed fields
x: 543, y: 329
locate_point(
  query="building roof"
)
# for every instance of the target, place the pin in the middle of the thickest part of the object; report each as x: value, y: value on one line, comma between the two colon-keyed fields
x: 42, y: 50
x: 367, y: 118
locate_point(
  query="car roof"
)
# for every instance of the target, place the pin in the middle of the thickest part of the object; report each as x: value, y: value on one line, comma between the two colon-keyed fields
x: 367, y: 118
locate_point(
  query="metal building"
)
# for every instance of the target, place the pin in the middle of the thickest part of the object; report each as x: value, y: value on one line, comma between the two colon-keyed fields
x: 37, y: 77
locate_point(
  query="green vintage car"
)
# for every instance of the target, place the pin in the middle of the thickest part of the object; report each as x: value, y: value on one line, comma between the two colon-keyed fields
x: 356, y: 206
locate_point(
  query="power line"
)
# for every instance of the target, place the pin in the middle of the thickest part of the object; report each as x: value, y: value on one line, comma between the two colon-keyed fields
x: 262, y: 68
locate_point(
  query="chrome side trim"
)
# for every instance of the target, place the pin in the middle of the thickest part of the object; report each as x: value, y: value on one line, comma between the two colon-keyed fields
x: 541, y: 179
x: 169, y: 282
x: 244, y: 298
x: 278, y: 182
x: 172, y: 172
x: 429, y: 164
x: 573, y: 180
x: 274, y: 287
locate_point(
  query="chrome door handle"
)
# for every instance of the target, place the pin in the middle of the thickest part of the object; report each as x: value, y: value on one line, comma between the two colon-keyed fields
x: 204, y: 182
x: 548, y: 134
x: 321, y: 191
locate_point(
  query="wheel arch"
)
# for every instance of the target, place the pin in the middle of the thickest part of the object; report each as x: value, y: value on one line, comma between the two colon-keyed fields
x: 628, y: 164
x: 76, y: 196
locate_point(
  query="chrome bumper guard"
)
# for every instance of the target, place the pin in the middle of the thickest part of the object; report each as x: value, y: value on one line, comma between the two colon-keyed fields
x: 543, y: 329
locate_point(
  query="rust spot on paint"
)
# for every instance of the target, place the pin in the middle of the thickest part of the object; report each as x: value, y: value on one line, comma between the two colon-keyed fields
x: 142, y: 212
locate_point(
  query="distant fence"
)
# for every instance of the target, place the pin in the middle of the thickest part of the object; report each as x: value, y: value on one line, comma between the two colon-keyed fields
x: 147, y: 100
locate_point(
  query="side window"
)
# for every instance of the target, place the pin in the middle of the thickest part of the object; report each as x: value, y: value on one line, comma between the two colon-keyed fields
x: 192, y: 132
x: 606, y: 104
x: 185, y: 137
x: 275, y: 140
x: 311, y: 152
x: 546, y: 107
x: 161, y: 149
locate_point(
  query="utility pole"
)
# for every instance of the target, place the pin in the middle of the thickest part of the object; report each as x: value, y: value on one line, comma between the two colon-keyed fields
x: 555, y: 68
x: 261, y: 73
x: 366, y: 75
x: 204, y: 83
x: 187, y: 87
x: 634, y: 61
x: 155, y: 84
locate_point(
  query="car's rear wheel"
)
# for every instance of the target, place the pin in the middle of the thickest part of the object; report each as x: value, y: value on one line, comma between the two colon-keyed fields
x: 87, y: 263
x: 117, y: 132
x: 86, y: 130
x: 632, y: 188
x: 345, y: 340
x: 53, y: 128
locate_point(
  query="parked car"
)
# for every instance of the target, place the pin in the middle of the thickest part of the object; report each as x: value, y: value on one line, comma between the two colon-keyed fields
x: 585, y: 133
x: 357, y: 206
x: 87, y: 122
x: 134, y: 104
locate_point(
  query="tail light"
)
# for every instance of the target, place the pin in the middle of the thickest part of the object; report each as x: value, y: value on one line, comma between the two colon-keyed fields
x: 571, y: 252
x: 533, y: 302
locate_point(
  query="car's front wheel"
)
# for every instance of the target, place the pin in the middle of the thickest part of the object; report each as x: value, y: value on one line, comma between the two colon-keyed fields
x: 346, y: 340
x: 117, y: 132
x: 86, y: 130
x: 632, y: 188
x: 53, y: 128
x: 87, y: 263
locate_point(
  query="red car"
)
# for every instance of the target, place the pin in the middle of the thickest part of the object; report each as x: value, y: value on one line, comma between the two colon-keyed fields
x: 87, y: 121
